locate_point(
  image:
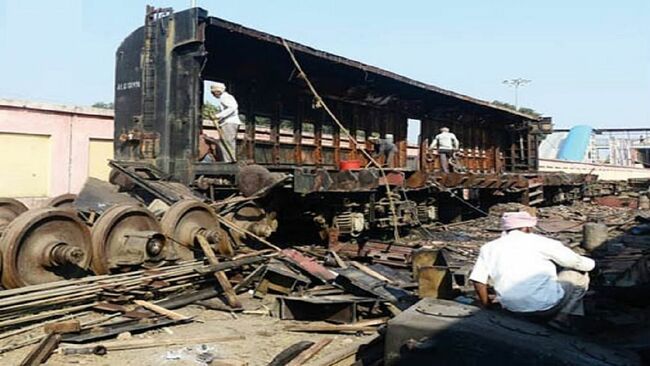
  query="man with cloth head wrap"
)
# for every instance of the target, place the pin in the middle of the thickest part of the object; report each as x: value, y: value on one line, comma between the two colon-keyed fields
x: 521, y: 267
x: 229, y: 121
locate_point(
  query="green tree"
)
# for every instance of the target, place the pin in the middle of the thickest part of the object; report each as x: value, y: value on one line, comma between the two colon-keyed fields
x: 530, y: 111
x: 524, y: 110
x: 103, y: 105
x: 504, y: 105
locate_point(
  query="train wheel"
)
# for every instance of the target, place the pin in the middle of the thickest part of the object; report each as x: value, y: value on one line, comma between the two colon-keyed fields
x: 126, y: 235
x: 44, y: 245
x: 64, y: 201
x: 187, y: 218
x: 9, y: 210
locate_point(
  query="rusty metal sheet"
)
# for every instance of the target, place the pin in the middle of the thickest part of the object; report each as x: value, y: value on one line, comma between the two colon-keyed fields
x: 98, y: 195
x: 334, y: 308
x: 112, y: 330
x: 417, y: 180
x: 393, y: 179
x: 614, y: 201
x: 278, y: 277
x: 308, y: 265
x: 362, y: 284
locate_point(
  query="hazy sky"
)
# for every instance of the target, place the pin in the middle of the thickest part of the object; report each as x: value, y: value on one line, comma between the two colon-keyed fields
x: 589, y: 61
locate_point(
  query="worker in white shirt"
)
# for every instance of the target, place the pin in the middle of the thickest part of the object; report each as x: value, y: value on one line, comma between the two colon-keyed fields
x: 228, y: 119
x: 521, y: 267
x: 445, y: 142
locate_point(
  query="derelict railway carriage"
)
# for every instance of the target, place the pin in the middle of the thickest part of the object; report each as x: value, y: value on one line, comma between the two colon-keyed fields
x: 160, y: 74
x: 289, y: 152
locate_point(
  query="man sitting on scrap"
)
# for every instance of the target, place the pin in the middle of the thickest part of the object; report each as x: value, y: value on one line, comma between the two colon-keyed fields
x: 445, y: 142
x: 521, y: 266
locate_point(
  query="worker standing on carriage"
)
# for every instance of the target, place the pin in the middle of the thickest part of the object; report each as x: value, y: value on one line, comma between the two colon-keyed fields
x: 446, y: 143
x: 383, y: 148
x: 228, y: 119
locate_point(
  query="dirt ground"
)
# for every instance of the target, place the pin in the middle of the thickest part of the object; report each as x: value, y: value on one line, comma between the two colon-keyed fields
x: 264, y: 338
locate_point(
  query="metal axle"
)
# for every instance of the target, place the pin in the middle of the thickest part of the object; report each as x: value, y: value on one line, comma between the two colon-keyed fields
x: 60, y: 254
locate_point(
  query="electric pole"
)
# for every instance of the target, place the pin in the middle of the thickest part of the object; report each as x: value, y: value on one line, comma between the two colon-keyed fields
x: 516, y: 83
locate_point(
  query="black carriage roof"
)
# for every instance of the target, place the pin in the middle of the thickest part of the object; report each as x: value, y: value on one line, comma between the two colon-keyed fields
x: 390, y: 80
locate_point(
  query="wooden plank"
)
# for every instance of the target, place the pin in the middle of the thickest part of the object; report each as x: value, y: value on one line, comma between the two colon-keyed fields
x: 38, y: 325
x: 161, y: 310
x: 42, y: 351
x: 44, y: 315
x: 229, y: 292
x: 246, y: 281
x: 65, y: 326
x: 289, y: 353
x: 310, y: 352
x: 338, y: 260
x: 369, y: 271
x: 345, y: 356
x: 366, y: 326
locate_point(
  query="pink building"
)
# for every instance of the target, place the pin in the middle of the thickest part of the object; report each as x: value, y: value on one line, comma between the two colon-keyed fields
x: 47, y: 150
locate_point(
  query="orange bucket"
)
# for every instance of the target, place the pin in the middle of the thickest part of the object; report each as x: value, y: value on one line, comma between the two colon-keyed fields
x: 349, y: 165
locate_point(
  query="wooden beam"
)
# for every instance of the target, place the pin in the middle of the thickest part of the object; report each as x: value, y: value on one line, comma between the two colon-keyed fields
x: 42, y: 351
x: 229, y: 292
x: 65, y: 326
x: 161, y: 310
x: 369, y: 271
x: 310, y: 352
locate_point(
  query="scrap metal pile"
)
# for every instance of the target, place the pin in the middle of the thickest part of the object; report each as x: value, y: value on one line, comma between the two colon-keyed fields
x: 101, y: 264
x: 84, y: 315
x: 89, y: 269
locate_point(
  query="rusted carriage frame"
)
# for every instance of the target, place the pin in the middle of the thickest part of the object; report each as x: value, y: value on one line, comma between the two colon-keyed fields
x: 178, y: 51
x: 475, y: 158
x: 336, y: 148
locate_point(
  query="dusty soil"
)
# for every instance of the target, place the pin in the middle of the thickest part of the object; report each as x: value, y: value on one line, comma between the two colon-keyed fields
x: 264, y: 338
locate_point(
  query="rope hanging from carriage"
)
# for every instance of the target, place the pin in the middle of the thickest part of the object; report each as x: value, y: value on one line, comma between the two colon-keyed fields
x: 321, y: 102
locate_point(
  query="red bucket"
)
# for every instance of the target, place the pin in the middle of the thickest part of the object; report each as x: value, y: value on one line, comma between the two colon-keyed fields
x: 349, y: 165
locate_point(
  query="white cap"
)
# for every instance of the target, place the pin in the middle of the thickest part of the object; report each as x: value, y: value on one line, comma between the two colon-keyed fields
x: 218, y: 87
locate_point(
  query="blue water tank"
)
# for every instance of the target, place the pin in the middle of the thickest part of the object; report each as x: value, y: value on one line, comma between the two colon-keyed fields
x: 574, y: 147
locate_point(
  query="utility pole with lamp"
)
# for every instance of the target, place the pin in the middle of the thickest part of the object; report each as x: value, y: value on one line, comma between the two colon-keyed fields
x: 516, y: 83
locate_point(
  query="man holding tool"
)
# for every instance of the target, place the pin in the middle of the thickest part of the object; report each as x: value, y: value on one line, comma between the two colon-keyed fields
x: 227, y: 122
